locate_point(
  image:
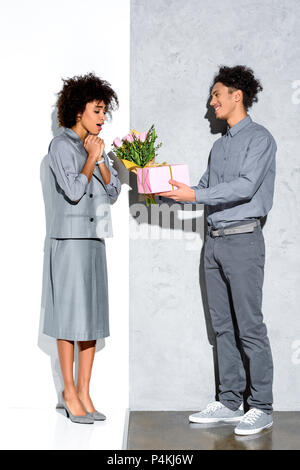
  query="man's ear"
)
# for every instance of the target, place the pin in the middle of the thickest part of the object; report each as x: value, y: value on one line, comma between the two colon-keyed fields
x: 238, y: 96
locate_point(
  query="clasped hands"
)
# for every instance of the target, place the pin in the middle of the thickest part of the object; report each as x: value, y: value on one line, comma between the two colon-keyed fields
x: 94, y: 146
x: 183, y: 193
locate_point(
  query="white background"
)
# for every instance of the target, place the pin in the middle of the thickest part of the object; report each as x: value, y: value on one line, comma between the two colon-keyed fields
x: 41, y: 43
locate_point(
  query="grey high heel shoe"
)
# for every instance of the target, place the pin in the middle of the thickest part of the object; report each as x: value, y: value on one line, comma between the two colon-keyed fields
x: 84, y: 419
x: 96, y: 415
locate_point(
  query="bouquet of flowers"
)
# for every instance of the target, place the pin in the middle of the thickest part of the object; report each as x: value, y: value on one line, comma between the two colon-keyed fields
x: 137, y: 150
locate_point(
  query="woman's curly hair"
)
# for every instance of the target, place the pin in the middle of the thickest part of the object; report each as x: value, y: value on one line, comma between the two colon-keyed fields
x: 80, y: 90
x: 242, y: 78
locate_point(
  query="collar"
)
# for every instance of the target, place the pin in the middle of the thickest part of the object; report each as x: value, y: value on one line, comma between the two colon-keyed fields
x: 77, y: 140
x: 239, y: 126
x: 68, y: 131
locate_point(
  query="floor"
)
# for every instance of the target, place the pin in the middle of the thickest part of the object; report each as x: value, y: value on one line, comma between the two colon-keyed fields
x: 171, y: 430
x: 48, y: 429
x: 35, y: 428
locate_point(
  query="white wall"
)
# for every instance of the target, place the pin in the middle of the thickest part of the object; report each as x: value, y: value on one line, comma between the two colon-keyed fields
x: 42, y: 42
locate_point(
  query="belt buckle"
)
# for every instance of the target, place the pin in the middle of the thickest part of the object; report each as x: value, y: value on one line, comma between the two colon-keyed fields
x: 220, y: 232
x: 210, y: 232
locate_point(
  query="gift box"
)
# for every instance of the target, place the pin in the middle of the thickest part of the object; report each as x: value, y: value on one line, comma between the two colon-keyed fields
x: 155, y: 179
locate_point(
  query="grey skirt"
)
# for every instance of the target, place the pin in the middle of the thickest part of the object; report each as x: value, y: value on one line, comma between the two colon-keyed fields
x: 76, y: 303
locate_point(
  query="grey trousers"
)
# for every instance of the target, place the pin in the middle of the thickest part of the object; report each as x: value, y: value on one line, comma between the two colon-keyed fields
x: 234, y: 273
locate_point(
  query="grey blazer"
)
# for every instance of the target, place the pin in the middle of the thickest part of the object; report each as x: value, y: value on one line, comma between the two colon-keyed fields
x: 79, y: 209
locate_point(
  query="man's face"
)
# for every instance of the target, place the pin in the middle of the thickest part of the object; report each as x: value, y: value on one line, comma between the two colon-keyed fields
x: 93, y: 117
x: 223, y: 102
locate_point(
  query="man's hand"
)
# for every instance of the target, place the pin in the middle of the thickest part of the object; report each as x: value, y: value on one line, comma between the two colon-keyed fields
x: 183, y: 193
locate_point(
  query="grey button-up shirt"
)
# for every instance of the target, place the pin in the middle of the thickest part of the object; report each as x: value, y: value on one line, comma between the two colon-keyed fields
x: 238, y: 184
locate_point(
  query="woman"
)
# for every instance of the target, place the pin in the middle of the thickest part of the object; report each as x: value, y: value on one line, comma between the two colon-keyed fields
x: 82, y: 186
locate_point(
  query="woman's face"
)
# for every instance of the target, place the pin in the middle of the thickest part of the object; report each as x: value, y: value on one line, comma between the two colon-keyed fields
x: 93, y: 117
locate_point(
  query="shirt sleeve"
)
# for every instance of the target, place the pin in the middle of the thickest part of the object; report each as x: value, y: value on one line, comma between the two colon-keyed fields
x: 260, y: 156
x: 114, y: 186
x: 61, y: 161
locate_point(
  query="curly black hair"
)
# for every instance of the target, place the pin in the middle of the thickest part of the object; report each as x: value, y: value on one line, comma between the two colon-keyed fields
x: 80, y: 90
x: 242, y: 78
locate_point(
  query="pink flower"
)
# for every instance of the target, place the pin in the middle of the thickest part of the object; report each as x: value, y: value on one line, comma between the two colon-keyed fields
x: 143, y: 136
x: 117, y: 143
x: 128, y: 137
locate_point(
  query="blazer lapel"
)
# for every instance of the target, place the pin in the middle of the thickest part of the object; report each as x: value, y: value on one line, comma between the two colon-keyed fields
x: 96, y: 173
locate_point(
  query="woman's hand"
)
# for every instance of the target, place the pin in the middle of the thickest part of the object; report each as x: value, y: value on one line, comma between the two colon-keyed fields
x: 94, y: 146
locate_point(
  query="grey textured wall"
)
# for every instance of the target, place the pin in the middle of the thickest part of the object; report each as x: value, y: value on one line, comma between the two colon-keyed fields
x: 176, y: 48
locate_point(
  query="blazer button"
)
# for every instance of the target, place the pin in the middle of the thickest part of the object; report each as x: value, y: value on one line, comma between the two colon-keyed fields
x: 91, y: 195
x: 91, y: 219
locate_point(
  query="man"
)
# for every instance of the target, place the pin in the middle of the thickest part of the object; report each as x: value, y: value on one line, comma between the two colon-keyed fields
x: 237, y: 188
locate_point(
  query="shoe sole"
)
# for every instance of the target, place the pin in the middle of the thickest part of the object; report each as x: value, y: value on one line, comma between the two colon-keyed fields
x: 246, y: 432
x: 66, y: 413
x: 215, y: 420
